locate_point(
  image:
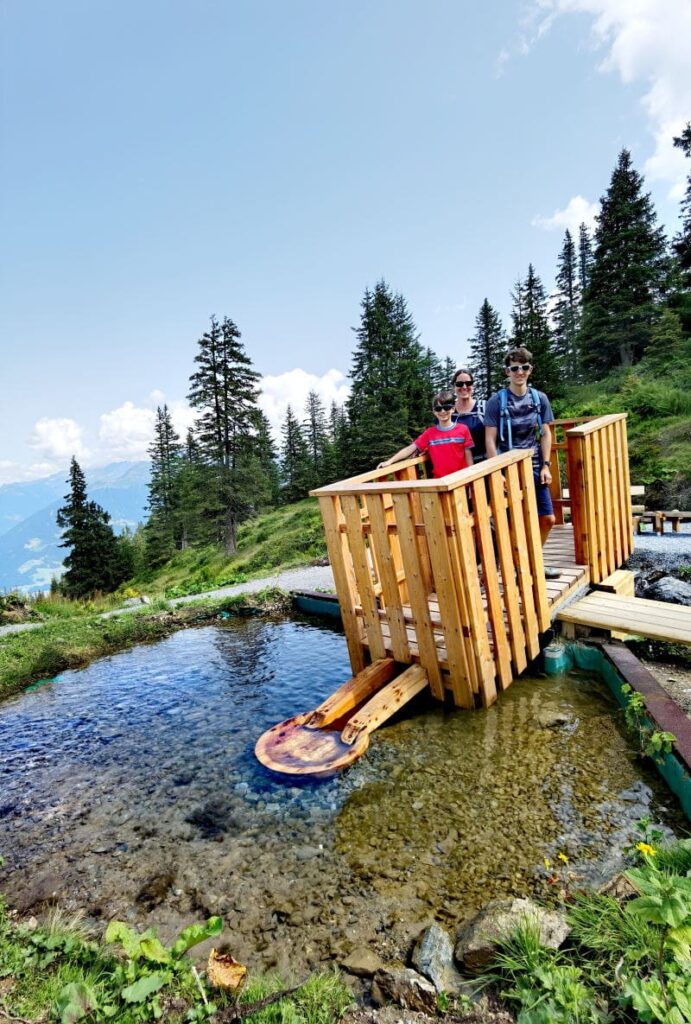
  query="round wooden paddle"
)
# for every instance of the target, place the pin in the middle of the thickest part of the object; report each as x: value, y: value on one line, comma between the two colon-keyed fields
x: 293, y: 748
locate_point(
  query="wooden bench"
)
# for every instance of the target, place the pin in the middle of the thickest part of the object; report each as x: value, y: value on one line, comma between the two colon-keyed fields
x: 659, y: 517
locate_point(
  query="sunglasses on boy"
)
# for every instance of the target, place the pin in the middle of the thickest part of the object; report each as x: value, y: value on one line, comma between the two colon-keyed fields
x: 464, y: 384
x: 446, y: 406
x: 521, y: 366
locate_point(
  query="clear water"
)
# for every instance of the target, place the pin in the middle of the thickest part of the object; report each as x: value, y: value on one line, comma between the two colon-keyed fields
x: 130, y: 789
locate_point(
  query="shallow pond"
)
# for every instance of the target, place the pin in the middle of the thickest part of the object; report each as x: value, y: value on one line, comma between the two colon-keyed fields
x: 130, y: 789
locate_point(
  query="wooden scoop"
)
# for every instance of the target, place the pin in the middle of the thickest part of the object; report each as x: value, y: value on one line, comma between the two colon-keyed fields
x: 328, y: 739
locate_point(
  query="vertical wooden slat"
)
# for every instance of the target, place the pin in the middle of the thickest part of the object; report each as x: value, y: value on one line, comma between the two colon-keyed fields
x: 577, y: 498
x: 606, y: 510
x: 339, y: 557
x: 473, y: 595
x: 445, y: 587
x: 363, y: 576
x: 382, y: 544
x: 459, y: 559
x: 595, y: 531
x: 623, y: 501
x: 521, y: 561
x: 555, y: 485
x: 495, y: 606
x: 418, y: 592
x: 627, y: 548
x: 534, y: 542
x: 615, y: 488
x: 503, y: 538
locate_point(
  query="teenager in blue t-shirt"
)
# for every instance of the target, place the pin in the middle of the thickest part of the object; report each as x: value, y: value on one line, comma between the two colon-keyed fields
x: 526, y: 431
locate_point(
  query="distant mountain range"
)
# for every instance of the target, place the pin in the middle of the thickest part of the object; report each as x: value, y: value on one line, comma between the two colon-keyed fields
x: 29, y: 534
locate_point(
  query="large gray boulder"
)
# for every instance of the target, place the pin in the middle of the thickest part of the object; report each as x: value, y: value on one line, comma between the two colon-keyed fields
x: 670, y: 589
x: 477, y: 941
x: 433, y: 957
x: 406, y: 988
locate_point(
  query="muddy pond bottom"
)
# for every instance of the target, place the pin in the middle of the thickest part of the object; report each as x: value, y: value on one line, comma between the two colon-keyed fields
x: 129, y: 789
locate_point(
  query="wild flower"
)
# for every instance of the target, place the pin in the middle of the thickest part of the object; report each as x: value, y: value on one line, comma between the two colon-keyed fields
x: 646, y: 849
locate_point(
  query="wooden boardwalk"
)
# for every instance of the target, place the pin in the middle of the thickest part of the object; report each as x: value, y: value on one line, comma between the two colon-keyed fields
x: 631, y: 615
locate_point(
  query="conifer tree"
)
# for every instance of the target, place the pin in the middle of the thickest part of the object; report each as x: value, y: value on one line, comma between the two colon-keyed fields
x: 389, y: 399
x: 165, y: 453
x: 315, y: 433
x: 487, y: 350
x: 337, y: 451
x: 224, y: 390
x: 531, y: 329
x: 585, y: 259
x: 566, y: 309
x: 95, y: 561
x: 681, y: 300
x: 628, y: 274
x: 267, y: 456
x: 295, y: 460
x: 449, y: 367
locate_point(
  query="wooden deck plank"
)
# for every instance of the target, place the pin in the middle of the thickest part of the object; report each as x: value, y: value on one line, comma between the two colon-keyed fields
x: 634, y: 615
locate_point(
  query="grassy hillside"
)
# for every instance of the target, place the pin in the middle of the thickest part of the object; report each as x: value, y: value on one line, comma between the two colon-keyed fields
x: 288, y: 536
x: 657, y: 398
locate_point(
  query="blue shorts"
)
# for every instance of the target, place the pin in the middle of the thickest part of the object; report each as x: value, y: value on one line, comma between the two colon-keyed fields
x: 544, y: 498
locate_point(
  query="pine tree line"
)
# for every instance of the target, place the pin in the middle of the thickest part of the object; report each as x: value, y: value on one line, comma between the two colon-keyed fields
x: 620, y: 293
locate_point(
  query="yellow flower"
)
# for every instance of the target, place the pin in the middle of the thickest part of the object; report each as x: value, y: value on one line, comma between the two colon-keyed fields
x: 645, y: 849
x: 563, y: 857
x: 547, y: 862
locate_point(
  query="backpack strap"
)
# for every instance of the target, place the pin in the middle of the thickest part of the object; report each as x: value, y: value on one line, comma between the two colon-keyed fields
x: 505, y: 420
x: 536, y: 406
x: 480, y: 404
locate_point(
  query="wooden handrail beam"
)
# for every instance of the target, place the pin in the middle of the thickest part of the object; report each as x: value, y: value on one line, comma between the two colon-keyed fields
x: 597, y: 424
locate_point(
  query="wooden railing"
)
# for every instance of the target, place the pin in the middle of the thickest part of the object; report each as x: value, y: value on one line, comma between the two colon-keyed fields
x: 600, y: 494
x: 446, y: 572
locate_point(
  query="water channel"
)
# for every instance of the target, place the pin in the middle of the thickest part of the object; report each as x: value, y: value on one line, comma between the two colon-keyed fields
x: 130, y: 788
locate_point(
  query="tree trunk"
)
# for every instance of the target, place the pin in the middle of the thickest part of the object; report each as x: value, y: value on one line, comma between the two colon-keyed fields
x: 230, y: 533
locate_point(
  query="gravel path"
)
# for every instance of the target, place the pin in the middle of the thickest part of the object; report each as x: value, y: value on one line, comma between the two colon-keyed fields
x: 309, y: 577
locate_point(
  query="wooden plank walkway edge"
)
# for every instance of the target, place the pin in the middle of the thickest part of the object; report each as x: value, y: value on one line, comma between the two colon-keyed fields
x: 636, y: 616
x: 661, y: 707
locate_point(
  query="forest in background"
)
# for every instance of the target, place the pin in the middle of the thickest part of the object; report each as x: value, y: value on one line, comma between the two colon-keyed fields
x: 615, y: 335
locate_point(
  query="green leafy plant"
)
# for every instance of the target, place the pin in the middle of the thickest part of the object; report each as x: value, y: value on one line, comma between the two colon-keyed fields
x: 652, y: 742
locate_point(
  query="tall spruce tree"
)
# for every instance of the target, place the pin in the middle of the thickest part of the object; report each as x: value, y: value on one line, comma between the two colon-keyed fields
x: 165, y: 453
x: 487, y: 350
x: 390, y: 397
x: 296, y: 469
x: 267, y: 456
x: 681, y: 300
x: 567, y: 307
x: 95, y: 561
x: 531, y: 329
x: 628, y: 274
x: 224, y: 390
x: 585, y: 259
x: 316, y: 435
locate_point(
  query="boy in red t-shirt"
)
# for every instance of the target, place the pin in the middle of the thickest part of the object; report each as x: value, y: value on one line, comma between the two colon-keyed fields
x: 449, y: 444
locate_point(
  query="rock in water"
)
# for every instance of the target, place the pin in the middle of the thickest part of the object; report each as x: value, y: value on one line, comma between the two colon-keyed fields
x: 477, y: 941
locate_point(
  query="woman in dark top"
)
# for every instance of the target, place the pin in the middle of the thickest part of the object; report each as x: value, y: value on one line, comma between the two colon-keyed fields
x: 469, y: 411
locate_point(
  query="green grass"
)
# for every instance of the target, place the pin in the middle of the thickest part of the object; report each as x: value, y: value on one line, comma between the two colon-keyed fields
x: 657, y: 400
x: 42, y: 967
x: 72, y: 642
x: 281, y: 539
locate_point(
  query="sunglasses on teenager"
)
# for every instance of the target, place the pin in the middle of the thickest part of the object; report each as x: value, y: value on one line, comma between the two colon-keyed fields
x: 464, y: 383
x: 446, y: 406
x: 521, y: 366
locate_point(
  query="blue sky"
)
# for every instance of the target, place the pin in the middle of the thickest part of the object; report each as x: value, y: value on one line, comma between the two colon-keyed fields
x: 163, y: 161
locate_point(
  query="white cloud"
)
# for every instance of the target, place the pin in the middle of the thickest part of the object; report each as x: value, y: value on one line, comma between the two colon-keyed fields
x: 646, y: 41
x: 35, y: 544
x: 126, y: 432
x: 576, y: 212
x: 292, y: 388
x: 58, y: 439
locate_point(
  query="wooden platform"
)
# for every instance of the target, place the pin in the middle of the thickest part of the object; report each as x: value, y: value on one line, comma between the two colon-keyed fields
x: 631, y: 615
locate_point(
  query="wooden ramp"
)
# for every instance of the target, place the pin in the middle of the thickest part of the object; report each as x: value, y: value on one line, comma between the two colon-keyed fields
x: 633, y: 615
x: 322, y: 742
